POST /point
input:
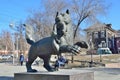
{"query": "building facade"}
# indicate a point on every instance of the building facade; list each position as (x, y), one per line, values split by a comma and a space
(102, 35)
(117, 42)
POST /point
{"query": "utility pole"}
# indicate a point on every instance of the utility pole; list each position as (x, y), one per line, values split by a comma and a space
(91, 52)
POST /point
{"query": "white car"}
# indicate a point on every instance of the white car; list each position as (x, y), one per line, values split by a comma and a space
(0, 56)
(6, 57)
(104, 51)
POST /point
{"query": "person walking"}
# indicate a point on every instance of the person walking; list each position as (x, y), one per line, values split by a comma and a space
(21, 59)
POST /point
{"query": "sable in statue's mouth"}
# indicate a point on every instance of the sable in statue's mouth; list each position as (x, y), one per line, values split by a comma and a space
(57, 19)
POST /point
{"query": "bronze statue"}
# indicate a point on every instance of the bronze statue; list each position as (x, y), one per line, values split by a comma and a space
(61, 41)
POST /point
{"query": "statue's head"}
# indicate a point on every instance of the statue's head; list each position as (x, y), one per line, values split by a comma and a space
(63, 17)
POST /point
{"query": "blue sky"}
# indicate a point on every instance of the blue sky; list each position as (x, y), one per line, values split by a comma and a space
(113, 15)
(13, 11)
(18, 10)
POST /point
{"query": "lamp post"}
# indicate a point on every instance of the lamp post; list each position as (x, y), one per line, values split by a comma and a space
(16, 44)
(101, 56)
(13, 53)
(91, 52)
(103, 46)
(11, 25)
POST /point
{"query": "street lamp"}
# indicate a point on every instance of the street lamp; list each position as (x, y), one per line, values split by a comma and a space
(103, 45)
(11, 25)
(13, 53)
(101, 56)
(91, 51)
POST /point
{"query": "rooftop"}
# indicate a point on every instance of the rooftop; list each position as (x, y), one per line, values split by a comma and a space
(100, 26)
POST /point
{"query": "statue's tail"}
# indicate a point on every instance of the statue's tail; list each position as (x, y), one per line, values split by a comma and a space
(30, 41)
(29, 34)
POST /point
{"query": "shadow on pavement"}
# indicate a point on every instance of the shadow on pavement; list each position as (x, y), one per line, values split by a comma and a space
(6, 78)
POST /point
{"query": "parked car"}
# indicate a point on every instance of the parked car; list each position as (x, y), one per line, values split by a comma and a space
(5, 57)
(103, 51)
(0, 56)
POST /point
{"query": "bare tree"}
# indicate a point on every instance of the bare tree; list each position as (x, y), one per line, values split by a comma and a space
(43, 20)
(81, 11)
(6, 40)
(18, 36)
(87, 10)
(53, 6)
(39, 24)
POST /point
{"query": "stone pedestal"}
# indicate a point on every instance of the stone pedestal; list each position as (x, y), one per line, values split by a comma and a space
(112, 65)
(58, 75)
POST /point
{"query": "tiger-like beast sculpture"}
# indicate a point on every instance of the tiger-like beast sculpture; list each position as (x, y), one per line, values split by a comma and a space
(61, 41)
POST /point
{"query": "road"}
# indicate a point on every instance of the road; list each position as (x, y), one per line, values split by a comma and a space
(7, 72)
(104, 73)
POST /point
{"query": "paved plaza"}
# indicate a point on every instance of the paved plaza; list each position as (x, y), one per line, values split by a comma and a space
(7, 72)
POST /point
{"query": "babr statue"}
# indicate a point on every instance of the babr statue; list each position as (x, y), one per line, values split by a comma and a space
(61, 41)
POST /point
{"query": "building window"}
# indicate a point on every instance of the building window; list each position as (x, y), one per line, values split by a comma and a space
(118, 43)
(102, 34)
(109, 44)
(103, 44)
(95, 34)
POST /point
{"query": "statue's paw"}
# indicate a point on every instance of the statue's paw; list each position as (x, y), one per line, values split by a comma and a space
(74, 52)
(56, 69)
(32, 70)
(52, 70)
(49, 68)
